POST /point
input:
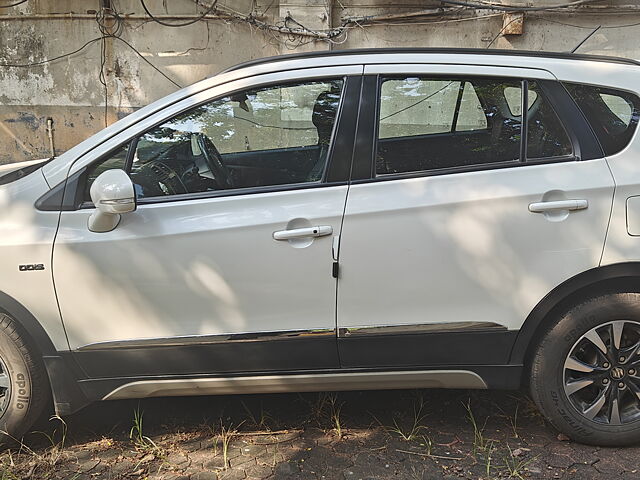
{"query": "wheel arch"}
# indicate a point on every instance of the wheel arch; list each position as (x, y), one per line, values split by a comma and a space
(619, 277)
(32, 328)
(61, 370)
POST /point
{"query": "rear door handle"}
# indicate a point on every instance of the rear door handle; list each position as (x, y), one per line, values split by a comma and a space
(541, 207)
(317, 231)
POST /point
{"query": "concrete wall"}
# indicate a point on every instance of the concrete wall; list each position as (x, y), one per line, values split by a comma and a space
(69, 89)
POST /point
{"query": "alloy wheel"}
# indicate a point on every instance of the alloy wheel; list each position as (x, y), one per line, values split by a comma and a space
(602, 373)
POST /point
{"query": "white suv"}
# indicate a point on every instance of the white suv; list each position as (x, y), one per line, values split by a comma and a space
(344, 220)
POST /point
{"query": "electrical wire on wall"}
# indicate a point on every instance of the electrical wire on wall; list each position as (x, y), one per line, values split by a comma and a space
(514, 8)
(184, 24)
(293, 33)
(297, 34)
(111, 26)
(113, 30)
(449, 10)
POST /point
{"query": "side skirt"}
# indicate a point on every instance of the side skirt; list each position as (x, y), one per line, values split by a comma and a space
(72, 390)
(299, 383)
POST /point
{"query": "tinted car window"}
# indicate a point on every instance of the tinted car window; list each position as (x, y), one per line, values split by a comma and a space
(546, 136)
(436, 123)
(513, 96)
(268, 136)
(612, 114)
(415, 106)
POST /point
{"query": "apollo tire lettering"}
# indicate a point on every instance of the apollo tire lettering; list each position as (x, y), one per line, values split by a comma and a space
(22, 391)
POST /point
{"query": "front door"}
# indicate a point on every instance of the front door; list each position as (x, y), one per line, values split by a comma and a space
(462, 227)
(226, 264)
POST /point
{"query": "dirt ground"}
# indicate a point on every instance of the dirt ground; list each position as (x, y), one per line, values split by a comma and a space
(409, 434)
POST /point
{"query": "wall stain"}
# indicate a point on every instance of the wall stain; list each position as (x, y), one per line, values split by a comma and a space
(28, 119)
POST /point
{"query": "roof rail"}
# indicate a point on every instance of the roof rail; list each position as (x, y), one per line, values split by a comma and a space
(475, 51)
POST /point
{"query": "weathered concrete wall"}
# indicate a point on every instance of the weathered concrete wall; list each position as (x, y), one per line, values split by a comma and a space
(69, 90)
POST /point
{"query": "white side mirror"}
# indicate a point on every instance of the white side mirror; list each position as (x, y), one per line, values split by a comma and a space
(113, 194)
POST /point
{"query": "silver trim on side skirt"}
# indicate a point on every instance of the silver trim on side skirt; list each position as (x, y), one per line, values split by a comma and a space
(299, 383)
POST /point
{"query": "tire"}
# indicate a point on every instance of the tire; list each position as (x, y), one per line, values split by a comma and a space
(24, 387)
(589, 389)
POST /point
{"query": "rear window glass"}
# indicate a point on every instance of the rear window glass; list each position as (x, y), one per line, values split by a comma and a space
(435, 123)
(612, 114)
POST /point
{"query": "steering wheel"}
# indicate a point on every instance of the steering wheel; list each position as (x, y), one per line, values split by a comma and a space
(163, 177)
(221, 174)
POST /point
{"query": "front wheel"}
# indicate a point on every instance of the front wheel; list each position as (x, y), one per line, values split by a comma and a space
(585, 374)
(24, 390)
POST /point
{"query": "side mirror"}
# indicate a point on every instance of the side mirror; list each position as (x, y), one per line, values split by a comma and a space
(113, 194)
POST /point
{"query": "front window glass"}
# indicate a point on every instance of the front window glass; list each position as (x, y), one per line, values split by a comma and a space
(268, 136)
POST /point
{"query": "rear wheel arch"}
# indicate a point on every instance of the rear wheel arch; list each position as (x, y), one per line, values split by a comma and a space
(616, 278)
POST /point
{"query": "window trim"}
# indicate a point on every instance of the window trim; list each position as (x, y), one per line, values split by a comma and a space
(520, 162)
(467, 169)
(184, 197)
(524, 120)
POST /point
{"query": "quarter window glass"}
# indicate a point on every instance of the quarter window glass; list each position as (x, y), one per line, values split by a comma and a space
(268, 136)
(619, 107)
(612, 114)
(115, 160)
(436, 123)
(546, 137)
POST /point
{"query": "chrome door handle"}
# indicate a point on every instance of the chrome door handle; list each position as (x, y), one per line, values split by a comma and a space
(318, 231)
(541, 207)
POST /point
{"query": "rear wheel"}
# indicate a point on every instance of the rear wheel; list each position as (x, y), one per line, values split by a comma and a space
(585, 374)
(24, 390)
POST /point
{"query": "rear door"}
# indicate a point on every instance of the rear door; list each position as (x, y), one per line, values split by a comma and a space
(463, 213)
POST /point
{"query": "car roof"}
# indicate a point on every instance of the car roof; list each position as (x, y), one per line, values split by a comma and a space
(420, 50)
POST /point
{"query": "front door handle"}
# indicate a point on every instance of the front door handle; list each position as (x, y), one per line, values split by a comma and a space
(571, 205)
(307, 232)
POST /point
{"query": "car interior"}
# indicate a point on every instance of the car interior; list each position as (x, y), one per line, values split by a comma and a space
(191, 163)
(498, 142)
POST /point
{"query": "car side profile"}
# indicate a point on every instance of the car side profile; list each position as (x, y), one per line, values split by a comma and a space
(358, 219)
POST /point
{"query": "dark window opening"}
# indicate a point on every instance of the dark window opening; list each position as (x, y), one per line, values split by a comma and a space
(612, 114)
(268, 136)
(428, 124)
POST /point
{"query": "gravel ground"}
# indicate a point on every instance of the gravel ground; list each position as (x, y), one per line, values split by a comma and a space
(408, 434)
